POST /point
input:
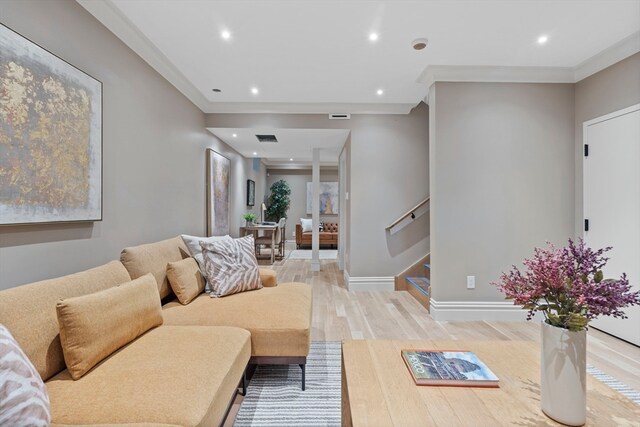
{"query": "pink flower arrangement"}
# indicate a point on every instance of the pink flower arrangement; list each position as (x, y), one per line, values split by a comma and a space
(567, 285)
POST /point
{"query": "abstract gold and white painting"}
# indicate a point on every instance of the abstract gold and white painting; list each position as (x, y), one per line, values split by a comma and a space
(50, 137)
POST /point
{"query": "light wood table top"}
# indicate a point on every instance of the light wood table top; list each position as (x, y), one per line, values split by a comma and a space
(377, 389)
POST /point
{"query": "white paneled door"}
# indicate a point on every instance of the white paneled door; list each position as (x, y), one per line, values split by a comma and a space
(612, 204)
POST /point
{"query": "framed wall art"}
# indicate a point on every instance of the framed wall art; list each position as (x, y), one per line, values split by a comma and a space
(251, 192)
(50, 137)
(328, 198)
(218, 170)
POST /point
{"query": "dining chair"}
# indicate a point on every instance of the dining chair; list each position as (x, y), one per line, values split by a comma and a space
(278, 241)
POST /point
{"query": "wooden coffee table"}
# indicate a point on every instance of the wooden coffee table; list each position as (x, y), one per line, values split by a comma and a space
(377, 389)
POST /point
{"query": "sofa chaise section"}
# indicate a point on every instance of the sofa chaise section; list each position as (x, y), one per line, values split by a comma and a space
(278, 317)
(171, 375)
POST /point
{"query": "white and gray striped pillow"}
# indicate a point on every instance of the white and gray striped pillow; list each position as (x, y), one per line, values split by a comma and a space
(230, 266)
(23, 396)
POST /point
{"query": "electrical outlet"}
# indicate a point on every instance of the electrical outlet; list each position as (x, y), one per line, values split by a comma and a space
(471, 282)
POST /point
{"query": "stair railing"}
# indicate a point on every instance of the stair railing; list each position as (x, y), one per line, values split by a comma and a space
(408, 217)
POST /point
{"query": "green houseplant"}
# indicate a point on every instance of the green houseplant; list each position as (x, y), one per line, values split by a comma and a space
(249, 217)
(279, 201)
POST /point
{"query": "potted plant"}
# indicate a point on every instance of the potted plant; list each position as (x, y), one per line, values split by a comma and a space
(279, 201)
(567, 285)
(249, 218)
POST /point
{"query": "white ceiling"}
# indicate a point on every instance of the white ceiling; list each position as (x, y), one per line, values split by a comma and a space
(296, 144)
(315, 56)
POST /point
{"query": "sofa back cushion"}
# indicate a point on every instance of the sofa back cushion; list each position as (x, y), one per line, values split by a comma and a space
(94, 326)
(153, 258)
(29, 312)
(330, 227)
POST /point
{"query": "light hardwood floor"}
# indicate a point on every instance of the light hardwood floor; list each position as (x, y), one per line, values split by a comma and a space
(342, 315)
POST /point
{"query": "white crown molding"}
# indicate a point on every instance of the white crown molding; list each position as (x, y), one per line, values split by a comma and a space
(616, 53)
(369, 283)
(111, 17)
(498, 74)
(482, 73)
(308, 107)
(476, 310)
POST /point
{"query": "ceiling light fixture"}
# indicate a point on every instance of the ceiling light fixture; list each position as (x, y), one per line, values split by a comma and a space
(291, 160)
(379, 91)
(255, 154)
(254, 90)
(235, 135)
(373, 37)
(225, 35)
(543, 39)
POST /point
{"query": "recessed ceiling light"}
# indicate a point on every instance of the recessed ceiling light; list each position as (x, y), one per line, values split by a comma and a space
(254, 90)
(379, 91)
(373, 37)
(225, 35)
(291, 160)
(217, 90)
(255, 154)
(235, 135)
(543, 39)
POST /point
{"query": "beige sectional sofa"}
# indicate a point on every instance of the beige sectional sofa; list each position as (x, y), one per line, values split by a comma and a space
(185, 372)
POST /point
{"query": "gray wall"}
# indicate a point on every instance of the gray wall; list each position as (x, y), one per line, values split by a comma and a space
(502, 180)
(297, 180)
(609, 90)
(388, 168)
(154, 152)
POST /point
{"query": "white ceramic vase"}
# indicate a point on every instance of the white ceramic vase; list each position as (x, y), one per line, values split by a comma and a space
(563, 375)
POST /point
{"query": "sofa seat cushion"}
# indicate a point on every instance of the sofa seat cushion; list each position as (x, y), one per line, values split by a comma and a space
(171, 375)
(278, 318)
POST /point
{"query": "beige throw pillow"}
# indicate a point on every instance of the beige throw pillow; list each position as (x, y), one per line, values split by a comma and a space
(24, 401)
(185, 279)
(231, 266)
(94, 326)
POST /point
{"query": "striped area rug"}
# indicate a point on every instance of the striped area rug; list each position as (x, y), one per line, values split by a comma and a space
(623, 389)
(274, 396)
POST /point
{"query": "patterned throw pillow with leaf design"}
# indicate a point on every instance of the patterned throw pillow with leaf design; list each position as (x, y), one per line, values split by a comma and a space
(230, 266)
(23, 396)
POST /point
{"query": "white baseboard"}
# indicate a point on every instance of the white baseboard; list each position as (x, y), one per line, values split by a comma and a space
(476, 310)
(369, 283)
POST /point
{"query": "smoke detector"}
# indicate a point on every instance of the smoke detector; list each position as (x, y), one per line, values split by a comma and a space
(419, 44)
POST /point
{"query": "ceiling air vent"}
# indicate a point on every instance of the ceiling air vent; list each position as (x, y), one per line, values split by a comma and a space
(267, 138)
(339, 116)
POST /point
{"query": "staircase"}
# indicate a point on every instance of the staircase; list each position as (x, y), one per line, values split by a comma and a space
(417, 281)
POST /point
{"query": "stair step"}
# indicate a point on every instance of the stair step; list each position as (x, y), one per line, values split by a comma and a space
(423, 284)
(427, 266)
